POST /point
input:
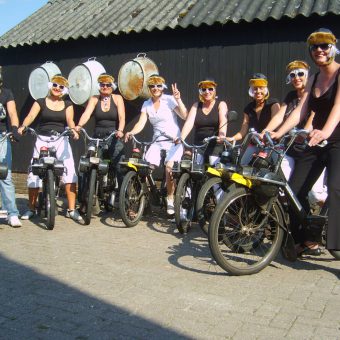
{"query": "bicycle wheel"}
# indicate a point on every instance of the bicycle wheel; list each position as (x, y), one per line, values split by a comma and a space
(210, 193)
(184, 203)
(243, 239)
(90, 197)
(324, 212)
(132, 199)
(50, 202)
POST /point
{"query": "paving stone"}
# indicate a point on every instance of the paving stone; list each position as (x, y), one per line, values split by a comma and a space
(150, 282)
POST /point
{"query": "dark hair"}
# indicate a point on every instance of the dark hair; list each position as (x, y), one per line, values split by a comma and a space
(324, 30)
(211, 79)
(259, 76)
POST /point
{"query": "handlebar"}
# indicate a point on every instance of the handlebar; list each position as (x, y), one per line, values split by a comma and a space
(5, 135)
(52, 138)
(193, 146)
(98, 139)
(294, 133)
(206, 141)
(168, 138)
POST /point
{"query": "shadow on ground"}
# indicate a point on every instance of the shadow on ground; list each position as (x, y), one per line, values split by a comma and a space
(37, 306)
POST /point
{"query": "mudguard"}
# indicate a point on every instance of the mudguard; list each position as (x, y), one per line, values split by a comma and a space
(237, 178)
(132, 166)
(214, 172)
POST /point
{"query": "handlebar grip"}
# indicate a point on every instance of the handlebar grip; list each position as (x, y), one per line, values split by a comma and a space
(256, 140)
(323, 143)
(269, 138)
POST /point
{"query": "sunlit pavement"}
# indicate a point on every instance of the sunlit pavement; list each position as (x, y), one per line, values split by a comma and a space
(106, 281)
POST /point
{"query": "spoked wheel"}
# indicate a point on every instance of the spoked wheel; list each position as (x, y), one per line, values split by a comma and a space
(243, 239)
(90, 192)
(184, 203)
(324, 212)
(132, 199)
(209, 195)
(50, 202)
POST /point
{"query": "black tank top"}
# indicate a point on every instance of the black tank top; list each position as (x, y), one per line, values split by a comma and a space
(265, 116)
(206, 125)
(105, 121)
(51, 120)
(322, 106)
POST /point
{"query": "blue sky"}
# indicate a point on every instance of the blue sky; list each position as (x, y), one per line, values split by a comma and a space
(14, 11)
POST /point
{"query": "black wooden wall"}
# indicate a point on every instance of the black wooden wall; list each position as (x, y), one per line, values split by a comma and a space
(230, 54)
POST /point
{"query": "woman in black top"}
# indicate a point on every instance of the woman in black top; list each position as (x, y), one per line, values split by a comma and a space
(108, 109)
(109, 113)
(208, 116)
(54, 113)
(297, 75)
(322, 95)
(257, 113)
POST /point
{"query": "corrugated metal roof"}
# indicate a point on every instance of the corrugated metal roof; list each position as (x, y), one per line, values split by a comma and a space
(72, 19)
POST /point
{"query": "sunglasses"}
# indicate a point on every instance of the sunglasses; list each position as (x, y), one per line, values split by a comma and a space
(323, 47)
(105, 84)
(299, 74)
(158, 86)
(55, 85)
(205, 89)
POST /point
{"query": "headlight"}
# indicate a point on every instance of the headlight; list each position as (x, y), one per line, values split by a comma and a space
(48, 160)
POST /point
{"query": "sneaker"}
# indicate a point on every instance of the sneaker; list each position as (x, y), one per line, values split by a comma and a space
(27, 215)
(170, 209)
(14, 222)
(74, 214)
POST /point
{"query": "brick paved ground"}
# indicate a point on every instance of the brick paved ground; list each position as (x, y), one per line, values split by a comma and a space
(106, 281)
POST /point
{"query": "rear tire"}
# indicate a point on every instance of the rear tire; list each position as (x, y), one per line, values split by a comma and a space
(132, 199)
(242, 238)
(50, 202)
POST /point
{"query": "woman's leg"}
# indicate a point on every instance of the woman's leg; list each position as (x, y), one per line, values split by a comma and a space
(116, 151)
(34, 183)
(170, 183)
(248, 154)
(32, 198)
(70, 189)
(174, 155)
(333, 184)
(307, 170)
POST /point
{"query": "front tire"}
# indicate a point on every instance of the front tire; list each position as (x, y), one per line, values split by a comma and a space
(184, 203)
(242, 238)
(132, 199)
(50, 202)
(207, 199)
(90, 196)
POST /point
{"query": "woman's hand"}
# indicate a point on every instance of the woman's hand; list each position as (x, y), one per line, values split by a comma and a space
(316, 137)
(177, 140)
(21, 130)
(78, 128)
(175, 91)
(119, 134)
(127, 136)
(75, 134)
(221, 138)
(275, 135)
